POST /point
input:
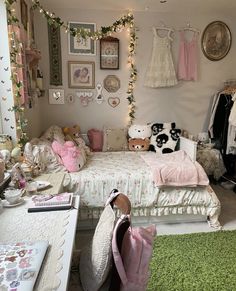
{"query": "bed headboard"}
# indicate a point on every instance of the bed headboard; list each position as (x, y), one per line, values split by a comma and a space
(189, 146)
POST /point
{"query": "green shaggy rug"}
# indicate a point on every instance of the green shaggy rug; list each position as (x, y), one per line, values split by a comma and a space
(194, 262)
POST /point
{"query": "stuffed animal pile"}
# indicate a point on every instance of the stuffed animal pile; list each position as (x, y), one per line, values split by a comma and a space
(73, 134)
(139, 137)
(70, 155)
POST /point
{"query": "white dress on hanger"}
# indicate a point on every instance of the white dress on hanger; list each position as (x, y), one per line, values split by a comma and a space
(161, 71)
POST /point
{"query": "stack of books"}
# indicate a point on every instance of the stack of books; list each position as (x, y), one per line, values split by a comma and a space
(49, 202)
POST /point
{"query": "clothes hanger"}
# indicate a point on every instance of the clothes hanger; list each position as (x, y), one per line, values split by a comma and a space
(189, 28)
(164, 27)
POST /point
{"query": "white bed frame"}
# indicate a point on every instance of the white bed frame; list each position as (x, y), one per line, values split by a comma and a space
(189, 146)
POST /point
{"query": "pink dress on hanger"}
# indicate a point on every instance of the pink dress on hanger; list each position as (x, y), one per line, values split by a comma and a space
(187, 65)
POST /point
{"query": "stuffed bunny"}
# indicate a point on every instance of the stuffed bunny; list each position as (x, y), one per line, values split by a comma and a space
(70, 155)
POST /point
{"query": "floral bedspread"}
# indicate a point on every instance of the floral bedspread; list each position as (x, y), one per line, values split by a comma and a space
(127, 172)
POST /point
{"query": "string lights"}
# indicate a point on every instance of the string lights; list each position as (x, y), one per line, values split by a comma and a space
(16, 48)
(126, 21)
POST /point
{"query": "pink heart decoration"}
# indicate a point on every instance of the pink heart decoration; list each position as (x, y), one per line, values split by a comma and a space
(113, 101)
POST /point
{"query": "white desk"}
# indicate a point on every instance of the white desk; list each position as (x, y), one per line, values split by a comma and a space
(58, 227)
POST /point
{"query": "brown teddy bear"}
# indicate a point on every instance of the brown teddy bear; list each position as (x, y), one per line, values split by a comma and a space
(73, 134)
(139, 144)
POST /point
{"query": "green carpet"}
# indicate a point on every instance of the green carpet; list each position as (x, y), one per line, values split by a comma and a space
(194, 262)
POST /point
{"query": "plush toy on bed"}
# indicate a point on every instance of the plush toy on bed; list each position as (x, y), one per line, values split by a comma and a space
(70, 155)
(139, 137)
(139, 144)
(73, 134)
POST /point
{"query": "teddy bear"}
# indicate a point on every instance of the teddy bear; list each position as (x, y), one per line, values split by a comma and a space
(139, 131)
(69, 154)
(73, 134)
(139, 137)
(139, 144)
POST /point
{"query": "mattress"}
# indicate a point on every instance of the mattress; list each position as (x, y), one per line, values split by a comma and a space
(127, 172)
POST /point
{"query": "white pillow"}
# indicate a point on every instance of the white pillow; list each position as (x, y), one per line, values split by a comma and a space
(96, 258)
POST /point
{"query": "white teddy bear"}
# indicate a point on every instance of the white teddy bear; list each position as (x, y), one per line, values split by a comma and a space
(140, 131)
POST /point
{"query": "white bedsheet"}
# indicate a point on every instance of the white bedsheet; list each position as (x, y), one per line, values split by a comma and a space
(127, 172)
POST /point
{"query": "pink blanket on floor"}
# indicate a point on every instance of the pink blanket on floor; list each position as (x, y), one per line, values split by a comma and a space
(175, 169)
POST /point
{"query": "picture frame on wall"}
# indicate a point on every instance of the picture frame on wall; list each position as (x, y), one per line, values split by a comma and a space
(79, 45)
(216, 40)
(81, 74)
(109, 53)
(24, 13)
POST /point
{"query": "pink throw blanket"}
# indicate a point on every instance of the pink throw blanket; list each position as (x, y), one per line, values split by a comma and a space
(175, 169)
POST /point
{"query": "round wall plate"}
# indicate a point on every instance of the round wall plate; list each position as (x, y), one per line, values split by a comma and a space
(111, 83)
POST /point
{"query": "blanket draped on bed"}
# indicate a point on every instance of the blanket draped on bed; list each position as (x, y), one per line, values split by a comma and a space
(175, 169)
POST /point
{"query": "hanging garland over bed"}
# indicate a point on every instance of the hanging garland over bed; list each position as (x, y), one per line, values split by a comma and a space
(16, 47)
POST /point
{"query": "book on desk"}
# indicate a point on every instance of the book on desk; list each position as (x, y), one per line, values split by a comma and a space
(20, 264)
(50, 202)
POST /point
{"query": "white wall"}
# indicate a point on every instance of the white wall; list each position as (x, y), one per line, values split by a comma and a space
(8, 122)
(187, 103)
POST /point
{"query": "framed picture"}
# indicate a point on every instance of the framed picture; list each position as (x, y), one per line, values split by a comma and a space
(79, 45)
(81, 74)
(24, 13)
(109, 53)
(216, 40)
(56, 96)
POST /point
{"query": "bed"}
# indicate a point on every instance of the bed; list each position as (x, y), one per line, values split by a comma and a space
(128, 172)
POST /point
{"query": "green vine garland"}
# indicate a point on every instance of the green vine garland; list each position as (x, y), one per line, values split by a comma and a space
(16, 47)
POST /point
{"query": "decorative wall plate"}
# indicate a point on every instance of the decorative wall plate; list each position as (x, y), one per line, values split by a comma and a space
(113, 101)
(111, 83)
(216, 40)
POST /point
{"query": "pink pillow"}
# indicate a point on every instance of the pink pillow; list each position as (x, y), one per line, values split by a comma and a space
(95, 137)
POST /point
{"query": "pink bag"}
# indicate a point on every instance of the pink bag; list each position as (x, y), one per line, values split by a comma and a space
(95, 137)
(132, 263)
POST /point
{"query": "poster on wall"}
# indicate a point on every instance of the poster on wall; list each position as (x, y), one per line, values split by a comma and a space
(80, 45)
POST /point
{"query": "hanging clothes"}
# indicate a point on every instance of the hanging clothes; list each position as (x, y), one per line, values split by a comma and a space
(187, 64)
(231, 139)
(161, 71)
(221, 121)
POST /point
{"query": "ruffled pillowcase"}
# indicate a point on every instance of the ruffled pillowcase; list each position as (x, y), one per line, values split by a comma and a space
(115, 139)
(164, 138)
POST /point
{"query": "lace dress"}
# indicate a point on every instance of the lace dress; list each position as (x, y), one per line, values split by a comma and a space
(161, 72)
